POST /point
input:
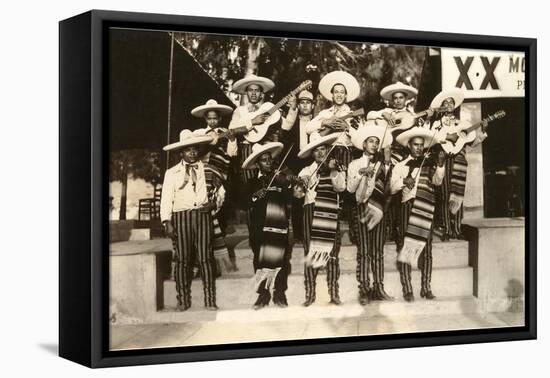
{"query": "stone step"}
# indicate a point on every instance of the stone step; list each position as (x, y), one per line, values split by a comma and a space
(234, 292)
(452, 254)
(396, 308)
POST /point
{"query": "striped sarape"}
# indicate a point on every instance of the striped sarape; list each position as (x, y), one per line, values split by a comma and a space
(421, 219)
(221, 253)
(324, 226)
(458, 181)
(371, 205)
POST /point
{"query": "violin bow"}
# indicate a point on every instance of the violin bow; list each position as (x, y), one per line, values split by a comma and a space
(280, 165)
(325, 159)
(424, 158)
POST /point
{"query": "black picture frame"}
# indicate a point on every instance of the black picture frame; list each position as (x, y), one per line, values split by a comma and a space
(83, 197)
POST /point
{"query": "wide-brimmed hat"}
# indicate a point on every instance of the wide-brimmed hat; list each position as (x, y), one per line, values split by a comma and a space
(387, 92)
(417, 131)
(188, 138)
(258, 150)
(240, 85)
(316, 140)
(305, 95)
(201, 110)
(372, 130)
(456, 95)
(339, 77)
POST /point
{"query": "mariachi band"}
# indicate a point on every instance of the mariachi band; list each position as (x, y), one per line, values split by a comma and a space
(392, 172)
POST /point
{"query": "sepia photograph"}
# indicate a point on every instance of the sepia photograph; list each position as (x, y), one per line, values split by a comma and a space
(266, 189)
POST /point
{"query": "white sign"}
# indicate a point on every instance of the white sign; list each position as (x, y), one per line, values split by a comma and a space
(483, 73)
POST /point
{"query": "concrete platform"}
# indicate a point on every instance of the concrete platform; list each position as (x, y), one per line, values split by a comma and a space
(363, 324)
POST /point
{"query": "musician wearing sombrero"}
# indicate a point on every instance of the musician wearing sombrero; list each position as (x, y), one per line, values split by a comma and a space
(367, 178)
(322, 183)
(299, 114)
(450, 195)
(340, 88)
(415, 179)
(254, 88)
(269, 197)
(212, 113)
(397, 96)
(187, 203)
(218, 158)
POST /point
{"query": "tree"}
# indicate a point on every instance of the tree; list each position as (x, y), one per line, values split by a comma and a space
(228, 58)
(142, 164)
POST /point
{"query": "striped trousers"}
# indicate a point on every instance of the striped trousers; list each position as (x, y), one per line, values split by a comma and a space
(333, 266)
(193, 241)
(451, 223)
(346, 155)
(425, 259)
(370, 255)
(245, 149)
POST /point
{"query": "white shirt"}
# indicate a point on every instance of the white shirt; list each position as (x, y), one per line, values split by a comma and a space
(338, 182)
(289, 121)
(315, 124)
(178, 197)
(401, 171)
(357, 182)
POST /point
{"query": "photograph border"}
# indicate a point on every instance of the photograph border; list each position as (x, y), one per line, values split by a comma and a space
(84, 191)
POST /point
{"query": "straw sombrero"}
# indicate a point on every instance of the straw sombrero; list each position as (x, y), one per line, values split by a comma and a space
(339, 77)
(241, 85)
(387, 92)
(456, 94)
(258, 150)
(364, 132)
(316, 140)
(201, 110)
(413, 132)
(188, 138)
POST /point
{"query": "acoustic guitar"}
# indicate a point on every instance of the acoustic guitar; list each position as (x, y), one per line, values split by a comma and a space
(258, 132)
(455, 137)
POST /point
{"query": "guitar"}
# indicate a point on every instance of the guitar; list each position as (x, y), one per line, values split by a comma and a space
(259, 131)
(404, 120)
(455, 137)
(355, 113)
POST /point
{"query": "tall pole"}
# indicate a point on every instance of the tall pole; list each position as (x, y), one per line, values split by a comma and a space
(170, 99)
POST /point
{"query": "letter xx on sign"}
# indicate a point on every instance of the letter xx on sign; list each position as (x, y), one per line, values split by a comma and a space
(489, 72)
(463, 72)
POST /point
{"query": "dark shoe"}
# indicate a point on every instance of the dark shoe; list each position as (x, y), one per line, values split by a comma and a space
(409, 297)
(308, 302)
(279, 299)
(212, 308)
(461, 236)
(427, 294)
(181, 307)
(445, 237)
(364, 299)
(379, 294)
(261, 302)
(335, 301)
